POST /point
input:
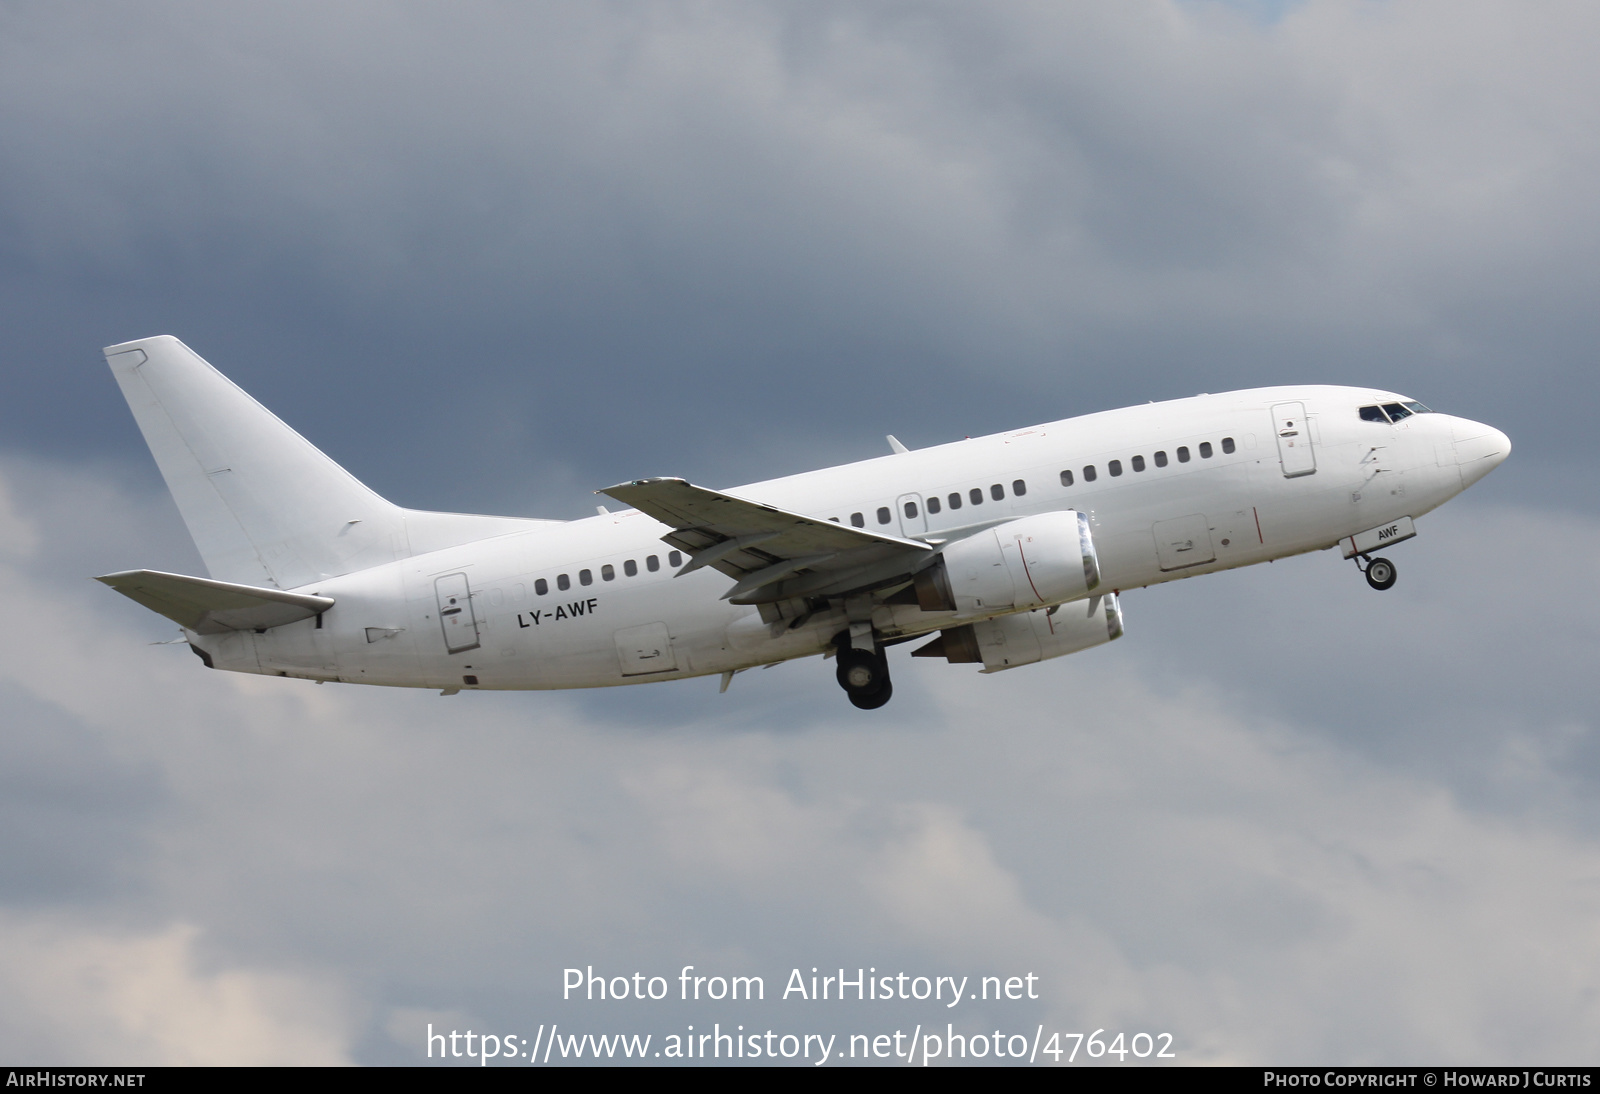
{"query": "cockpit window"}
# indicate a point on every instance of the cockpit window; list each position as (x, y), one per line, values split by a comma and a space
(1393, 411)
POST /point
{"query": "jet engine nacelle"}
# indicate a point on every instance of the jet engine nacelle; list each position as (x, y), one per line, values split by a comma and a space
(1027, 637)
(1028, 563)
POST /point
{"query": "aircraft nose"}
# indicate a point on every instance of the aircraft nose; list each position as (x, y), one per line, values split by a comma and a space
(1479, 449)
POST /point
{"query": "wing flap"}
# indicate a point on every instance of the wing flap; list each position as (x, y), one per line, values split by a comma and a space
(212, 607)
(770, 552)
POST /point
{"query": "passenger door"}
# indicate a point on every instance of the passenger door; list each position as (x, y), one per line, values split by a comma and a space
(456, 617)
(1294, 440)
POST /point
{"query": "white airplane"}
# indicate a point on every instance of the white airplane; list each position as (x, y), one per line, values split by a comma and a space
(1007, 549)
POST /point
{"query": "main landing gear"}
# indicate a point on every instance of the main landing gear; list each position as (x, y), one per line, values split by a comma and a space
(864, 674)
(1380, 571)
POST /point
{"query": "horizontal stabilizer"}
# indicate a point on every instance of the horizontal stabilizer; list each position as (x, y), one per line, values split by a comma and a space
(212, 607)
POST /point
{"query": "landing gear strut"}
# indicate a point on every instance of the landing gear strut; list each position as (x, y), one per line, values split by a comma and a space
(864, 675)
(1380, 571)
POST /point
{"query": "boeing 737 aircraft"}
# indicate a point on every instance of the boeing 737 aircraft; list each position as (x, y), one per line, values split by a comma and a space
(1000, 551)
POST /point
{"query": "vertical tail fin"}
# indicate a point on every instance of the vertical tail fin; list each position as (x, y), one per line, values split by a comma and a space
(264, 506)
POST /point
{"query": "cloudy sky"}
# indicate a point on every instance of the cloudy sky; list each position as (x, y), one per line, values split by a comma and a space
(493, 256)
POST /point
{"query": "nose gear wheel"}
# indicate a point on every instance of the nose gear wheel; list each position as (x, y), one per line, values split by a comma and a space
(1380, 574)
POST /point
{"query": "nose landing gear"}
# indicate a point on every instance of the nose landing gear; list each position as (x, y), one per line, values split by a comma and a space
(1380, 572)
(864, 675)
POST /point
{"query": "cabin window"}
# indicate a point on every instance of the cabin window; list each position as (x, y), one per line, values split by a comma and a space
(834, 519)
(608, 572)
(997, 492)
(1138, 463)
(542, 587)
(1066, 478)
(1183, 453)
(1018, 487)
(1161, 459)
(1374, 414)
(975, 496)
(911, 509)
(933, 504)
(1227, 445)
(585, 577)
(857, 520)
(1205, 450)
(954, 500)
(1115, 467)
(674, 559)
(631, 568)
(1088, 473)
(884, 516)
(652, 563)
(563, 582)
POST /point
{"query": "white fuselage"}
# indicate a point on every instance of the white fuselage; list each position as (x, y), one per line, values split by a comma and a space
(1250, 500)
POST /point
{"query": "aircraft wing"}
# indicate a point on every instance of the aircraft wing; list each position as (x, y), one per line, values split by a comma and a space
(212, 607)
(772, 554)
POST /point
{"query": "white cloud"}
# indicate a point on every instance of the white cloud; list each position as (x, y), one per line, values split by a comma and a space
(1165, 858)
(76, 994)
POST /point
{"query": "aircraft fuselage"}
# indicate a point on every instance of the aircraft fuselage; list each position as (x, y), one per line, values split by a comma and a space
(1171, 490)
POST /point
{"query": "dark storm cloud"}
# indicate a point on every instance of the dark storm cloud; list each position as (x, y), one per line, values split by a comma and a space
(752, 238)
